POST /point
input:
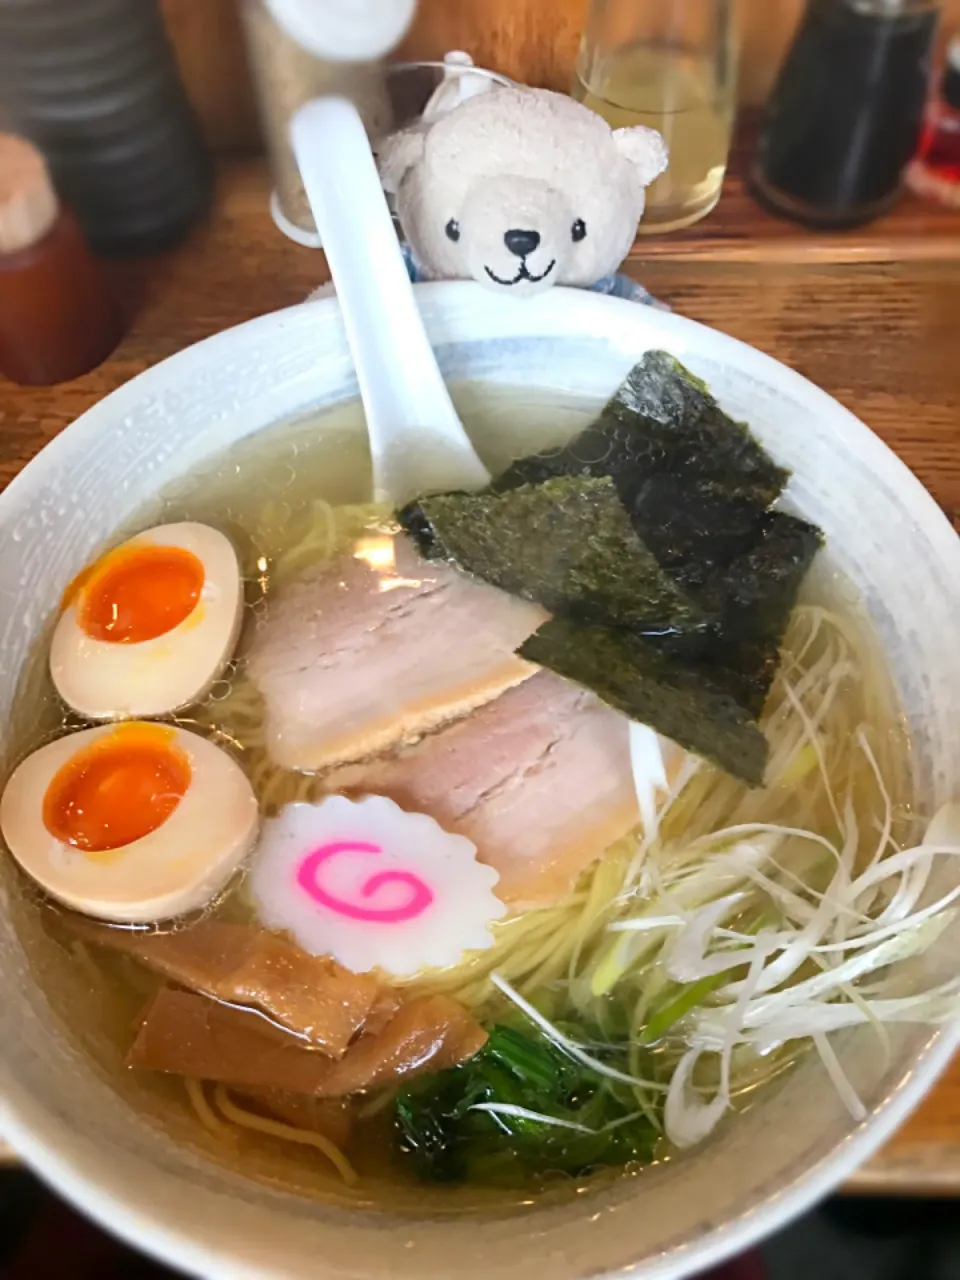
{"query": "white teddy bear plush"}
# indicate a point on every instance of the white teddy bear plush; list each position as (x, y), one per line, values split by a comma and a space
(520, 189)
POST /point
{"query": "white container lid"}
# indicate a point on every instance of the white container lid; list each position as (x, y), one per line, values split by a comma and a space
(28, 204)
(345, 30)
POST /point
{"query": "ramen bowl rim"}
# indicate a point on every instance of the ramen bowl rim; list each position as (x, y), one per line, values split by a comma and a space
(179, 1247)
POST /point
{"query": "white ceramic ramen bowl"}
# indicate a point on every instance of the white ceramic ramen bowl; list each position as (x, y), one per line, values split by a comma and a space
(762, 1168)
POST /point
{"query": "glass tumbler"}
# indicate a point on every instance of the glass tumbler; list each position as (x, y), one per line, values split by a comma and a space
(670, 65)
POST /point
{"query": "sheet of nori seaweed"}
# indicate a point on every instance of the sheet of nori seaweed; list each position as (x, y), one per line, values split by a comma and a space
(695, 482)
(566, 543)
(698, 487)
(680, 700)
(756, 597)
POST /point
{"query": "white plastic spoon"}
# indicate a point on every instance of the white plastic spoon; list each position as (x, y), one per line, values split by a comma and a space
(417, 441)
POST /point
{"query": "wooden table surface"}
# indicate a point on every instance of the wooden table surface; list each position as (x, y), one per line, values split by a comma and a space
(738, 230)
(881, 336)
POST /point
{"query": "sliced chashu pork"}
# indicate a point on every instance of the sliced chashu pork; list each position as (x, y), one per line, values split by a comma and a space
(189, 1035)
(539, 780)
(312, 996)
(378, 649)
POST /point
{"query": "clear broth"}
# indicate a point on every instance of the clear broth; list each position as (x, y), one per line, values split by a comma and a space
(257, 492)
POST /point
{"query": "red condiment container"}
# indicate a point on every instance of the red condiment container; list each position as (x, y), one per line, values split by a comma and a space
(57, 318)
(935, 172)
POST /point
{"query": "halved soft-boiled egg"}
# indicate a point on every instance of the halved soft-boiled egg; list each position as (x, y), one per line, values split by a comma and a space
(148, 627)
(130, 822)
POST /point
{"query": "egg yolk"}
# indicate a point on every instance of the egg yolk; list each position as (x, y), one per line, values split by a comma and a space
(116, 790)
(137, 593)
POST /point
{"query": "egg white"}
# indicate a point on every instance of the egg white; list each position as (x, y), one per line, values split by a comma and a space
(178, 867)
(108, 681)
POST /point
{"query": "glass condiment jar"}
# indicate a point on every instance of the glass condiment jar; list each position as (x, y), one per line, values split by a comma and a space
(846, 112)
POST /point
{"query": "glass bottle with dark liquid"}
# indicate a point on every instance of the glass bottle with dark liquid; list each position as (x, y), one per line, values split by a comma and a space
(847, 110)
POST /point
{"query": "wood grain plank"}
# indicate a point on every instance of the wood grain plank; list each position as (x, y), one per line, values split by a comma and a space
(879, 336)
(739, 230)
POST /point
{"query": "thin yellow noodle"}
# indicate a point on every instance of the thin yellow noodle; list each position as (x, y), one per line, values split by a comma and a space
(285, 1132)
(205, 1113)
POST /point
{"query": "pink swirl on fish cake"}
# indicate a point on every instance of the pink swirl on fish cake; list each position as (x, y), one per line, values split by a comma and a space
(308, 879)
(371, 885)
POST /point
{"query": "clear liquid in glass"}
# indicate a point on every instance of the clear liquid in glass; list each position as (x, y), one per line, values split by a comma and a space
(679, 94)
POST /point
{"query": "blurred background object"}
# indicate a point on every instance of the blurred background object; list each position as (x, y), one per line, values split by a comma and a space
(57, 319)
(532, 41)
(846, 111)
(935, 172)
(95, 85)
(289, 69)
(670, 65)
(240, 113)
(360, 31)
(300, 49)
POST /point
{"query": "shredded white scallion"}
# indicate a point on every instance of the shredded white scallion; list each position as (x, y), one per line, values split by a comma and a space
(778, 1009)
(848, 1095)
(749, 921)
(523, 1113)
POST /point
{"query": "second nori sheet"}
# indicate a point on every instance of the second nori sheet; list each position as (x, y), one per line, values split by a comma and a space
(695, 483)
(756, 596)
(679, 700)
(566, 543)
(698, 488)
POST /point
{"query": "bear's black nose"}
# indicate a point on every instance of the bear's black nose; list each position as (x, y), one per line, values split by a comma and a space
(521, 242)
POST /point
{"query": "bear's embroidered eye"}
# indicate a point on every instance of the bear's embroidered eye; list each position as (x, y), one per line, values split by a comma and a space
(453, 230)
(579, 230)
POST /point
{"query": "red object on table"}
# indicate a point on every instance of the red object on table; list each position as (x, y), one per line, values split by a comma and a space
(935, 172)
(57, 318)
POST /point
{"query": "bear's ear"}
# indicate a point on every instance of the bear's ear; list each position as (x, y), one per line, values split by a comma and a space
(397, 155)
(644, 148)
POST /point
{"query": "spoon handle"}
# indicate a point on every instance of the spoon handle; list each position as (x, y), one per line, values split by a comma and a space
(417, 441)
